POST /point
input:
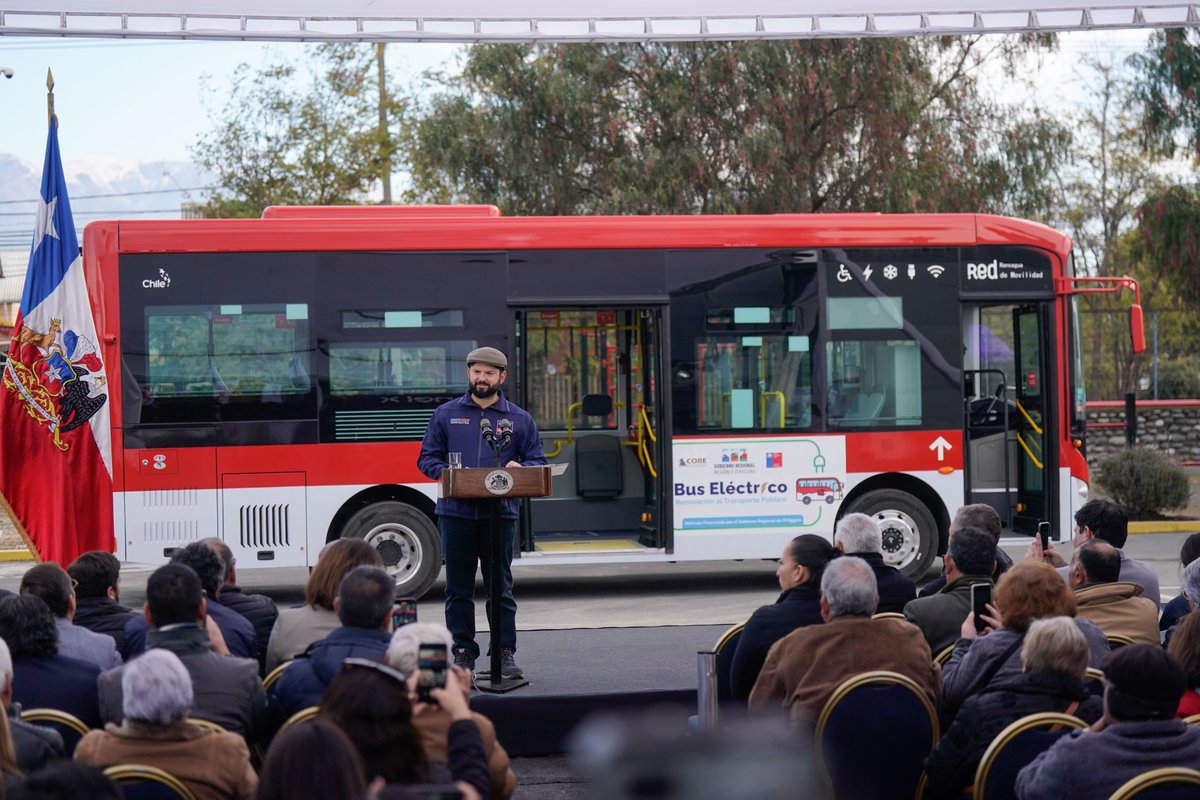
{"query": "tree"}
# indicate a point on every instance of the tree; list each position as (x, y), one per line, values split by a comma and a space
(731, 127)
(278, 141)
(1168, 81)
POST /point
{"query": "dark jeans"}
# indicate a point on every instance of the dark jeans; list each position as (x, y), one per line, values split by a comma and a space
(464, 543)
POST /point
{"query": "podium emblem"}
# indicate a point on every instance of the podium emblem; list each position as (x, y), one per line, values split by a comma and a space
(498, 482)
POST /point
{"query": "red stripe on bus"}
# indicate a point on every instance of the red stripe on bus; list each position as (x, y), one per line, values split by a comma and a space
(903, 451)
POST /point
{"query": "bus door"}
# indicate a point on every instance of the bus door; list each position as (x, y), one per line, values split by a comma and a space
(1011, 455)
(591, 379)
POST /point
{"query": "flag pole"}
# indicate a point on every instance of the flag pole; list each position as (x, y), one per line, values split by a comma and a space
(50, 118)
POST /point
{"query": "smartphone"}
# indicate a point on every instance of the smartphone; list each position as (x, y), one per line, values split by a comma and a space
(981, 595)
(1044, 534)
(431, 666)
(404, 611)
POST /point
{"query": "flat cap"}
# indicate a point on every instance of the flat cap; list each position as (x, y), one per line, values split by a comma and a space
(487, 355)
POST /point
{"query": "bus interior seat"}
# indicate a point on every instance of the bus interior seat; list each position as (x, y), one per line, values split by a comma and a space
(598, 473)
(867, 405)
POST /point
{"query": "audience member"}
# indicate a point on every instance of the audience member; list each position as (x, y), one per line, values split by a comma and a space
(1138, 732)
(298, 627)
(97, 577)
(10, 768)
(1185, 646)
(976, 515)
(799, 573)
(1054, 658)
(42, 677)
(258, 609)
(51, 582)
(312, 760)
(804, 667)
(1030, 590)
(364, 606)
(969, 561)
(157, 697)
(1102, 519)
(858, 535)
(433, 722)
(225, 689)
(1115, 605)
(370, 702)
(1178, 606)
(236, 630)
(1189, 588)
(66, 780)
(34, 746)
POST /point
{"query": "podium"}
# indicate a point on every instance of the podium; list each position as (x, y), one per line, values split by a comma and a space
(494, 485)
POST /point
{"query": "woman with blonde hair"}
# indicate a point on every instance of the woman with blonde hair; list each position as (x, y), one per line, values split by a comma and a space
(299, 626)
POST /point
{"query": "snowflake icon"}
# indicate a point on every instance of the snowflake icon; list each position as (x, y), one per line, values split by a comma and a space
(889, 272)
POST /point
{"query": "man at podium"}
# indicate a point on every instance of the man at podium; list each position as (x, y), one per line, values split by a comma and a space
(467, 428)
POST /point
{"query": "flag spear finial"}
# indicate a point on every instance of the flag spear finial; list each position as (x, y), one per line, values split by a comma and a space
(50, 118)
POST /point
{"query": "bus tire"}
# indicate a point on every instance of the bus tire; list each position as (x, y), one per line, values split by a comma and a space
(406, 540)
(910, 532)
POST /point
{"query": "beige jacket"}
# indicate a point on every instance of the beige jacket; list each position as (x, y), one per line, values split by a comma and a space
(1119, 610)
(215, 766)
(433, 724)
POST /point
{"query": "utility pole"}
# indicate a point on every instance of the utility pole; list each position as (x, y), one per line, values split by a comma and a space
(385, 139)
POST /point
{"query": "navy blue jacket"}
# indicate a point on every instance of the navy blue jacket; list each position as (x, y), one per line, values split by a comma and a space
(303, 683)
(237, 630)
(61, 682)
(795, 608)
(895, 588)
(455, 427)
(104, 615)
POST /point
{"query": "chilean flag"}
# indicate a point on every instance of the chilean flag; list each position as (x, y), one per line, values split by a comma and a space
(55, 440)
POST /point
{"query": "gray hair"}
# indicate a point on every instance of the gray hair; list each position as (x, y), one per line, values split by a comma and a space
(6, 667)
(1191, 582)
(156, 687)
(402, 652)
(858, 533)
(1055, 644)
(850, 588)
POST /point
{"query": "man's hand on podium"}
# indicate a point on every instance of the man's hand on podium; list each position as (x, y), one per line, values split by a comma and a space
(512, 464)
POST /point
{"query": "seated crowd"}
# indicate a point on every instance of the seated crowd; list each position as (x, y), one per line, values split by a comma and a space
(179, 685)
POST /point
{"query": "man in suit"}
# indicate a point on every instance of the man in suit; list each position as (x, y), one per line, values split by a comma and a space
(859, 535)
(51, 582)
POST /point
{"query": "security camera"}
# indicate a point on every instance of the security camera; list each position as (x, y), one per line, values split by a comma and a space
(6, 72)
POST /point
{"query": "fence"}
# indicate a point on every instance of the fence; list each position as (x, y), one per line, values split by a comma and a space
(1171, 427)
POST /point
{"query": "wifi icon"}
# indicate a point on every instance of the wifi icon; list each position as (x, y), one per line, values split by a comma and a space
(935, 270)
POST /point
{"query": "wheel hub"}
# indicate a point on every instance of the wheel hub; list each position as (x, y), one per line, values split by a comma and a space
(398, 547)
(901, 541)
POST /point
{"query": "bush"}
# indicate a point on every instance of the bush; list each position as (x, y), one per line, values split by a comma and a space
(1144, 482)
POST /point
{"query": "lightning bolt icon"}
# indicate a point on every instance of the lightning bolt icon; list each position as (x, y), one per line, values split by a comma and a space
(867, 273)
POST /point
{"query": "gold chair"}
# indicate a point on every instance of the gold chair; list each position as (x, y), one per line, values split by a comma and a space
(1194, 719)
(301, 716)
(69, 726)
(944, 655)
(208, 724)
(725, 647)
(882, 718)
(1162, 778)
(139, 774)
(274, 675)
(1093, 681)
(1116, 640)
(1016, 746)
(889, 615)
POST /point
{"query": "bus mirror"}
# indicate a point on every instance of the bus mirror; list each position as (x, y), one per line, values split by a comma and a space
(1137, 328)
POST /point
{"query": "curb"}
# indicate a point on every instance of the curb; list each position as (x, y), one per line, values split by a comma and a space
(16, 555)
(1162, 526)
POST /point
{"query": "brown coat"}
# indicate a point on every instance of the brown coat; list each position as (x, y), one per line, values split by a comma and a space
(433, 724)
(214, 766)
(806, 666)
(1119, 610)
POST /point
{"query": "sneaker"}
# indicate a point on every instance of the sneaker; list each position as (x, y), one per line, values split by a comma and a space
(463, 658)
(508, 664)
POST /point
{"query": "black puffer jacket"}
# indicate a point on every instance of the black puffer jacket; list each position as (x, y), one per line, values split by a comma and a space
(104, 615)
(795, 608)
(258, 609)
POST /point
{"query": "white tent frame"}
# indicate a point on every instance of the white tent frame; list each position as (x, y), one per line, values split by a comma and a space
(572, 20)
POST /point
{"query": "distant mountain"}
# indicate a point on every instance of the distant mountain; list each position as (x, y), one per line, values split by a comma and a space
(100, 188)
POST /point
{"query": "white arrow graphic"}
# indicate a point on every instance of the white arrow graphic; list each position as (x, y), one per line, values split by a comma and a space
(941, 445)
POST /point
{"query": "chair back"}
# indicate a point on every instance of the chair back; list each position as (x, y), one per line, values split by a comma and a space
(1014, 748)
(1166, 783)
(1093, 681)
(303, 715)
(1116, 640)
(944, 655)
(882, 719)
(725, 647)
(1194, 719)
(889, 615)
(69, 726)
(143, 782)
(274, 675)
(207, 725)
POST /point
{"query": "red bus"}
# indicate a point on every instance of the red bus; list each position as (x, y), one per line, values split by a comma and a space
(277, 376)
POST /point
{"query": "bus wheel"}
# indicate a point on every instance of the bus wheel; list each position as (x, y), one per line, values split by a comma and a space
(405, 539)
(910, 533)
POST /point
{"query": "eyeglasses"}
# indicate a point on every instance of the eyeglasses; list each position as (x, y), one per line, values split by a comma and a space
(378, 666)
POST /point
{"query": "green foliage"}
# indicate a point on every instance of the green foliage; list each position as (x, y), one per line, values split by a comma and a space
(731, 127)
(285, 138)
(1169, 227)
(1144, 482)
(1179, 378)
(1169, 77)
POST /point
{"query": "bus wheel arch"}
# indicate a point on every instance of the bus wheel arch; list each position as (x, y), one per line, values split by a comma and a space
(398, 522)
(921, 518)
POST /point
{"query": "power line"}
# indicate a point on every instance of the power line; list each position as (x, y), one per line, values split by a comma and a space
(119, 194)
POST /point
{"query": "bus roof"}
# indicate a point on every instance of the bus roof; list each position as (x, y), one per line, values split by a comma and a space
(476, 228)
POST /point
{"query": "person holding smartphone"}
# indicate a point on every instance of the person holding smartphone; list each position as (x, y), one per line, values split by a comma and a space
(969, 561)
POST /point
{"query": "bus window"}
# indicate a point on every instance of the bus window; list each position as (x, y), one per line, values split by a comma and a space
(754, 382)
(574, 353)
(873, 383)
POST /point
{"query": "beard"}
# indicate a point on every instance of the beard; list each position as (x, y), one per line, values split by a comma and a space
(484, 391)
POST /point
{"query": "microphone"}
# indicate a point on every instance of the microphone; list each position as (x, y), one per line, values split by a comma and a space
(485, 428)
(505, 430)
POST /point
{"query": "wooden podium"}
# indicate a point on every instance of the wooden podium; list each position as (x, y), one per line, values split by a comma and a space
(496, 484)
